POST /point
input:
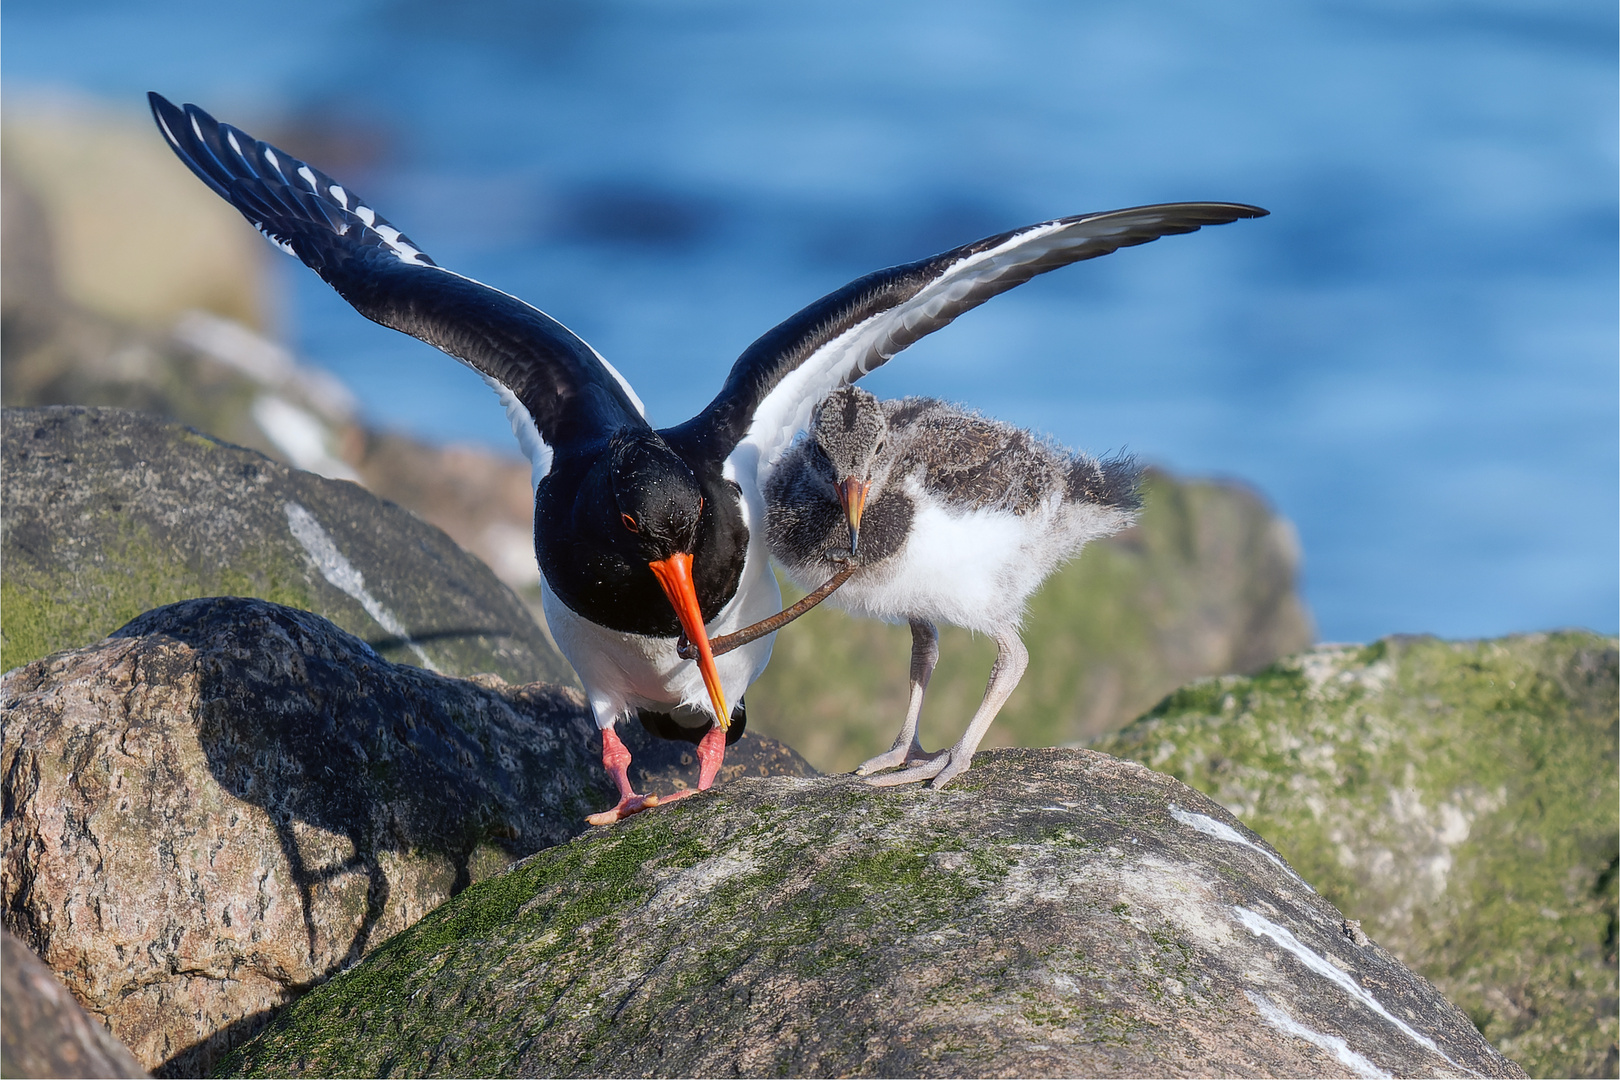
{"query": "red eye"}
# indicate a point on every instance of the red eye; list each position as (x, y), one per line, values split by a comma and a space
(630, 523)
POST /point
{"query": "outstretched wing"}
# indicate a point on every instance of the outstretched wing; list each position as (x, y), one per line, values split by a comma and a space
(775, 385)
(553, 383)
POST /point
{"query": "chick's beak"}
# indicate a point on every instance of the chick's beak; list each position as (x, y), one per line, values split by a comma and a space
(852, 497)
(674, 574)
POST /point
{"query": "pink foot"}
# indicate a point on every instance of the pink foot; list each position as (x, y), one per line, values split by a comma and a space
(616, 760)
(633, 804)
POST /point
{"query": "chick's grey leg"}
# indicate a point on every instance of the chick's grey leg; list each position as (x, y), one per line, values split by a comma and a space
(1011, 660)
(924, 655)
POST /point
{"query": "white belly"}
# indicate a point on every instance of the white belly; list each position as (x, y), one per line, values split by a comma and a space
(624, 671)
(976, 568)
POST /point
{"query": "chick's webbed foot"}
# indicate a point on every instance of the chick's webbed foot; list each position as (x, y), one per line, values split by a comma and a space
(927, 768)
(947, 765)
(909, 756)
(907, 750)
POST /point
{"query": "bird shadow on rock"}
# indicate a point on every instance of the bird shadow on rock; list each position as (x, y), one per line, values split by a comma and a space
(389, 789)
(454, 633)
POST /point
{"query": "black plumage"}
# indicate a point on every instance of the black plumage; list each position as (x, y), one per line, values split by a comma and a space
(641, 533)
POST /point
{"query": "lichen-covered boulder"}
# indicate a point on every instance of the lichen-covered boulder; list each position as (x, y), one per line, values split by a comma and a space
(108, 513)
(229, 800)
(44, 1032)
(1459, 798)
(1052, 913)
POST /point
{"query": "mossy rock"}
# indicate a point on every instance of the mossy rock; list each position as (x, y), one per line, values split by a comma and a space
(1459, 798)
(110, 513)
(1052, 913)
(228, 801)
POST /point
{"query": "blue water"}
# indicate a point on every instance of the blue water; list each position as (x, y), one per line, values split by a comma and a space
(1414, 358)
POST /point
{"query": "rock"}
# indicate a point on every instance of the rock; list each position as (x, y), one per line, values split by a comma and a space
(1054, 913)
(166, 343)
(134, 237)
(1458, 798)
(108, 513)
(44, 1032)
(484, 501)
(87, 198)
(230, 800)
(1206, 584)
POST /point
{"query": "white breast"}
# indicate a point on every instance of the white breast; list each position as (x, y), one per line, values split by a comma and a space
(974, 568)
(624, 671)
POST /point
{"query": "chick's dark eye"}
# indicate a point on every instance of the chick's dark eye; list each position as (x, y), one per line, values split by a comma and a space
(630, 523)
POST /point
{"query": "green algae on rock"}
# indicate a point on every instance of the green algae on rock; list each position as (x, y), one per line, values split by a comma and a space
(1459, 798)
(109, 513)
(228, 801)
(1057, 912)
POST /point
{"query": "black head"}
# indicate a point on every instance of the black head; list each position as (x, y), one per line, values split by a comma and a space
(850, 428)
(655, 494)
(658, 503)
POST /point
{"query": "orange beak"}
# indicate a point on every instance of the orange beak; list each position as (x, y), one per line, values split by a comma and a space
(852, 497)
(675, 575)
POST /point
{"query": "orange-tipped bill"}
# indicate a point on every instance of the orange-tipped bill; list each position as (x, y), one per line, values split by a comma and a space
(675, 575)
(852, 497)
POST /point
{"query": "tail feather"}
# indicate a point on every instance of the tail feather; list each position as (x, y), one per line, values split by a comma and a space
(1112, 481)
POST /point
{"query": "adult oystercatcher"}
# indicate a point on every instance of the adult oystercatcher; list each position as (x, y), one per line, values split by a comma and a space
(641, 533)
(948, 517)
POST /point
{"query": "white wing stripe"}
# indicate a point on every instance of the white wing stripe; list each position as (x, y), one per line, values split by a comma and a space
(855, 352)
(534, 447)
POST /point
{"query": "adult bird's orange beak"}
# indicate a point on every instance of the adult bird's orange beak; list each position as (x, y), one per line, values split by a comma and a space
(674, 574)
(852, 497)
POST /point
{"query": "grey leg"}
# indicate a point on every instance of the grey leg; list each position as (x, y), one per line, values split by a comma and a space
(1011, 660)
(924, 655)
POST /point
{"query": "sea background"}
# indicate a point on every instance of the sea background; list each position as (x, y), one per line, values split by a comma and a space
(1413, 358)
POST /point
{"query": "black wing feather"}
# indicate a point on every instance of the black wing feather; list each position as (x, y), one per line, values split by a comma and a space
(881, 298)
(567, 390)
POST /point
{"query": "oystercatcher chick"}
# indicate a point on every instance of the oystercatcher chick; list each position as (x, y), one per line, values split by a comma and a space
(641, 533)
(950, 517)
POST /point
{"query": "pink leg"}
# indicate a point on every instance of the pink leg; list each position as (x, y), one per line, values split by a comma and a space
(616, 760)
(711, 752)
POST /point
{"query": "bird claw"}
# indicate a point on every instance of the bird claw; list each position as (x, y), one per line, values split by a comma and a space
(894, 758)
(918, 768)
(630, 804)
(635, 804)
